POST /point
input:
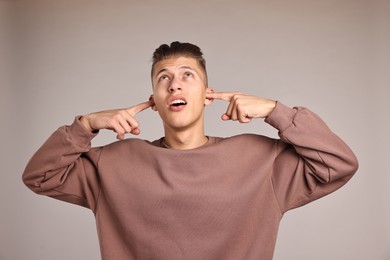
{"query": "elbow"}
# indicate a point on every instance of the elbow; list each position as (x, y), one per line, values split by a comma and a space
(348, 168)
(31, 181)
(352, 164)
(355, 164)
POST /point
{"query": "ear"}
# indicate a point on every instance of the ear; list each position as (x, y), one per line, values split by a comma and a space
(209, 101)
(153, 106)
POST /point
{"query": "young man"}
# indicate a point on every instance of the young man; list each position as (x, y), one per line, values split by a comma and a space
(189, 195)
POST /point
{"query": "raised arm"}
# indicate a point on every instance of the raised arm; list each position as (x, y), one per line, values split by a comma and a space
(65, 166)
(311, 160)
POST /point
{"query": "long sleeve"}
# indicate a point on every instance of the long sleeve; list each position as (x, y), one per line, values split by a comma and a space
(311, 161)
(65, 167)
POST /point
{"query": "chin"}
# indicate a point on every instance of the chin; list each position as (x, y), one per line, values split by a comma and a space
(178, 126)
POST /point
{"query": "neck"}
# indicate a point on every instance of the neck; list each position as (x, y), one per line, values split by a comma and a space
(184, 140)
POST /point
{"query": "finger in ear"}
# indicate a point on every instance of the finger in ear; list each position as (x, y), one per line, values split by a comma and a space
(152, 104)
(208, 101)
(209, 90)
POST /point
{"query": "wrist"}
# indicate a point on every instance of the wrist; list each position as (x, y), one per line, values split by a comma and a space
(85, 123)
(271, 107)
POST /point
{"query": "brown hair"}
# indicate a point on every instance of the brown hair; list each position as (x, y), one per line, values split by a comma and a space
(176, 49)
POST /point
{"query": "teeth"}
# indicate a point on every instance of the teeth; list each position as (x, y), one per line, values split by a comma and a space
(178, 101)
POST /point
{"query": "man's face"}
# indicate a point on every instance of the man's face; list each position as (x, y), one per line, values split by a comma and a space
(179, 92)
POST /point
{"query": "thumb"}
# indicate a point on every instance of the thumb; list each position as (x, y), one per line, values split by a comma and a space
(225, 117)
(135, 131)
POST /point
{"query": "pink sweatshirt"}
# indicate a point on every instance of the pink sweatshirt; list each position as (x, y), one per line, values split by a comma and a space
(223, 200)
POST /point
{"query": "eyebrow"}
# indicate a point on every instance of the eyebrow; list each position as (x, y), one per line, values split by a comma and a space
(186, 67)
(180, 68)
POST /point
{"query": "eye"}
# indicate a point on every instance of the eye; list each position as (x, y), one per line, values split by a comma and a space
(163, 77)
(188, 74)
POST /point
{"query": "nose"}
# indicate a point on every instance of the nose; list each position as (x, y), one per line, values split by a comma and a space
(174, 86)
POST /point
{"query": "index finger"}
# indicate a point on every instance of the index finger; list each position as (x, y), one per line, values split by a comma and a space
(140, 107)
(227, 96)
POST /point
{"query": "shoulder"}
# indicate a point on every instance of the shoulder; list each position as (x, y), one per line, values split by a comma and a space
(127, 145)
(254, 148)
(247, 137)
(245, 140)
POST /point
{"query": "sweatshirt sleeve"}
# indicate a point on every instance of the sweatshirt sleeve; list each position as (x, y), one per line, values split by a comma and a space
(311, 160)
(65, 167)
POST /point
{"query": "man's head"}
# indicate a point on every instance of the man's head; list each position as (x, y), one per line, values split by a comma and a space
(179, 49)
(179, 86)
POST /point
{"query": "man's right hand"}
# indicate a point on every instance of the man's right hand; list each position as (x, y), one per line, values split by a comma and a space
(121, 121)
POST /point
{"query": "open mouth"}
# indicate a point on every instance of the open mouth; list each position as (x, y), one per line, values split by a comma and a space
(178, 102)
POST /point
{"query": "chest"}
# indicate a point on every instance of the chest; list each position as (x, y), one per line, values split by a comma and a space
(190, 182)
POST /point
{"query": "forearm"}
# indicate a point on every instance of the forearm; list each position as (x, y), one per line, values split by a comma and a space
(313, 140)
(56, 169)
(319, 163)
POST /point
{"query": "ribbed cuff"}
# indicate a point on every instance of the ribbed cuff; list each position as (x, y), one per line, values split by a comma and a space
(77, 132)
(281, 117)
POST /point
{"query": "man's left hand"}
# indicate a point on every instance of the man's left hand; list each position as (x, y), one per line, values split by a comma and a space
(243, 107)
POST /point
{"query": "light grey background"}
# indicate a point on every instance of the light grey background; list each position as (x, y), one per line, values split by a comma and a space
(60, 59)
